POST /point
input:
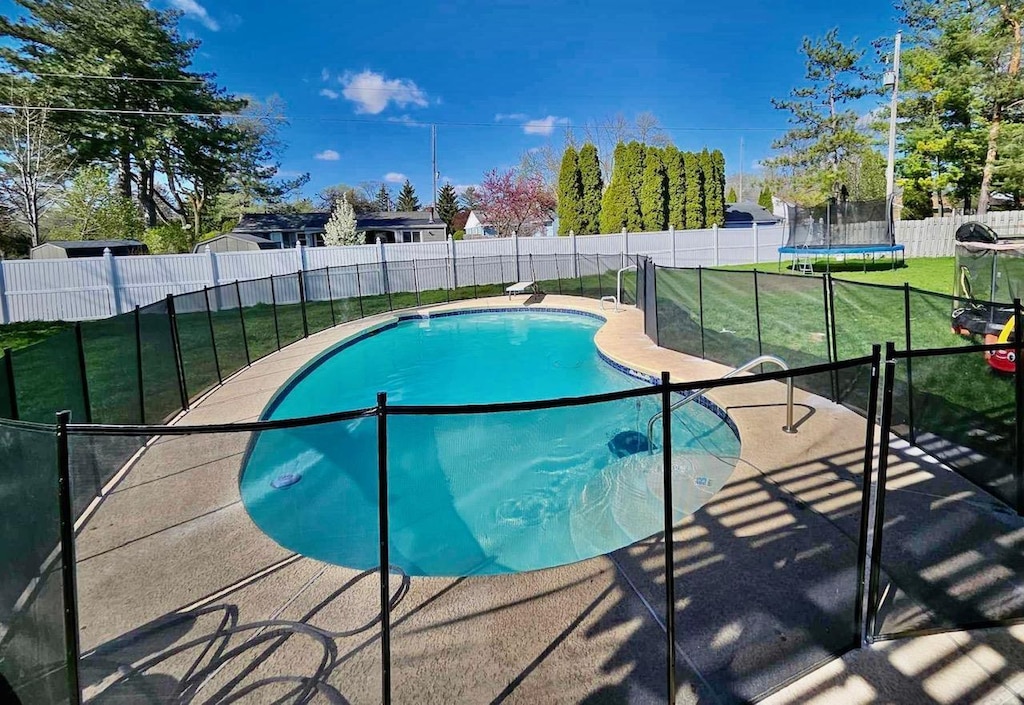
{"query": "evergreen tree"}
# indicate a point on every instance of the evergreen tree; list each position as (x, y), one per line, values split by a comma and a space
(447, 205)
(592, 184)
(654, 192)
(407, 200)
(731, 197)
(635, 155)
(570, 193)
(694, 190)
(676, 187)
(615, 203)
(714, 188)
(765, 198)
(383, 200)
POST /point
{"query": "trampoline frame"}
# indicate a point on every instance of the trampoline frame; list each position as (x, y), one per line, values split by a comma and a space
(804, 258)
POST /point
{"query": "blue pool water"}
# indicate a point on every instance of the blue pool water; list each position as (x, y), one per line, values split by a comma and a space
(473, 494)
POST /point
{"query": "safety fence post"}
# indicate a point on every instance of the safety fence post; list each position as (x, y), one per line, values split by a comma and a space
(757, 315)
(359, 291)
(330, 295)
(415, 282)
(670, 571)
(67, 558)
(874, 576)
(700, 306)
(831, 313)
(213, 336)
(910, 371)
(385, 559)
(241, 320)
(867, 498)
(139, 380)
(829, 337)
(473, 258)
(80, 350)
(9, 374)
(273, 304)
(1018, 376)
(302, 302)
(179, 362)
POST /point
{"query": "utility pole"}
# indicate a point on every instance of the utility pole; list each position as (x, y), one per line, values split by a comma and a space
(741, 170)
(892, 78)
(433, 170)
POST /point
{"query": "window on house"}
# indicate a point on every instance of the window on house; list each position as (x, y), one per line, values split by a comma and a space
(410, 236)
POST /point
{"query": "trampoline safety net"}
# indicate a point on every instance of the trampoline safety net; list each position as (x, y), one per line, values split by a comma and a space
(840, 223)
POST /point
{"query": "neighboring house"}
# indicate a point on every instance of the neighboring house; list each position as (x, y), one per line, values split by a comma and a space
(290, 229)
(477, 226)
(237, 242)
(745, 214)
(68, 249)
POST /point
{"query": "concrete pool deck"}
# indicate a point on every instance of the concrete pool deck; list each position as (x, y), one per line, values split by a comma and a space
(180, 592)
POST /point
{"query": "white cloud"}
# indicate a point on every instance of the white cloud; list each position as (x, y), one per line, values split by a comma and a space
(372, 92)
(461, 188)
(193, 10)
(328, 93)
(408, 121)
(328, 155)
(394, 177)
(544, 126)
(510, 116)
(325, 75)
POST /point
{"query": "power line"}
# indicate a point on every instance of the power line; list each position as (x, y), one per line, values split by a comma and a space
(363, 121)
(140, 79)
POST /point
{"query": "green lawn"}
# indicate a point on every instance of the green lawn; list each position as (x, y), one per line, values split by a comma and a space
(928, 273)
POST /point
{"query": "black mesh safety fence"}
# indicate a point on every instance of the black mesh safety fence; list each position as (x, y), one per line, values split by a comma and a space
(289, 304)
(161, 388)
(373, 287)
(260, 311)
(48, 378)
(231, 539)
(866, 315)
(227, 318)
(434, 280)
(678, 316)
(320, 310)
(729, 316)
(198, 353)
(8, 408)
(33, 649)
(650, 302)
(641, 282)
(947, 554)
(112, 370)
(594, 281)
(345, 293)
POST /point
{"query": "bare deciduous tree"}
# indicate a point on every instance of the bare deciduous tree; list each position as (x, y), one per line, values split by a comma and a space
(34, 163)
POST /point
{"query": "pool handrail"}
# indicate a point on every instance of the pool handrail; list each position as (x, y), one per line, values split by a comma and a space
(745, 367)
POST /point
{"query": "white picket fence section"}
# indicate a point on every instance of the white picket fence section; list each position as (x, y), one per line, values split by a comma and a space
(89, 288)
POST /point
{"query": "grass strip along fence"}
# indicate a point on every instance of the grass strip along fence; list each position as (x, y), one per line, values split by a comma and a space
(954, 406)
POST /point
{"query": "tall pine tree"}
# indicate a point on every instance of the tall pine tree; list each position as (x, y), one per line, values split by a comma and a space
(407, 200)
(764, 199)
(731, 197)
(654, 192)
(714, 188)
(570, 193)
(447, 205)
(635, 157)
(382, 202)
(592, 184)
(676, 186)
(615, 204)
(694, 190)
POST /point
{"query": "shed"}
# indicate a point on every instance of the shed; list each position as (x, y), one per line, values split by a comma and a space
(237, 242)
(67, 249)
(745, 214)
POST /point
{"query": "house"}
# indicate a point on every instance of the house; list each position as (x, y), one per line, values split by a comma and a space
(290, 229)
(745, 214)
(477, 226)
(69, 249)
(237, 242)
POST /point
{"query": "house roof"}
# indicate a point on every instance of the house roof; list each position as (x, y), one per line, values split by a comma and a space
(263, 242)
(397, 219)
(92, 244)
(280, 222)
(747, 212)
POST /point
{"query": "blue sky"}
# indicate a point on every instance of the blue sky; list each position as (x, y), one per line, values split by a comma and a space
(360, 79)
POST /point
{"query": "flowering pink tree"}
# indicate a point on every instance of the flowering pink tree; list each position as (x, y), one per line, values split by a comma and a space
(514, 201)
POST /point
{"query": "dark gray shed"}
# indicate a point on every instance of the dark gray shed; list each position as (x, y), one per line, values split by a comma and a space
(237, 242)
(65, 249)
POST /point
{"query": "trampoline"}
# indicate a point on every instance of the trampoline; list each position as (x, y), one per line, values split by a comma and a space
(840, 229)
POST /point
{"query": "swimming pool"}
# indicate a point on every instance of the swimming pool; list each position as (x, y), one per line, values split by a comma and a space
(480, 493)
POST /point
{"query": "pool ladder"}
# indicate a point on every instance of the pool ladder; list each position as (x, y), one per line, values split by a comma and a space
(618, 289)
(745, 367)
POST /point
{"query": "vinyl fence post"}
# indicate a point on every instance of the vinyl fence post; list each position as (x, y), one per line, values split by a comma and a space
(874, 576)
(179, 363)
(87, 402)
(860, 625)
(670, 571)
(111, 268)
(910, 372)
(714, 230)
(67, 555)
(300, 253)
(5, 312)
(140, 378)
(575, 255)
(213, 335)
(273, 305)
(473, 260)
(452, 257)
(757, 245)
(9, 374)
(624, 248)
(211, 257)
(672, 243)
(241, 320)
(383, 536)
(1018, 376)
(302, 302)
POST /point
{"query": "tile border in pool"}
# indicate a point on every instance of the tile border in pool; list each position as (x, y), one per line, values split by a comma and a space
(415, 315)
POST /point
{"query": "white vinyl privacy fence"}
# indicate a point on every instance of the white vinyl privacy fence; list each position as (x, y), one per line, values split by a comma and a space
(89, 288)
